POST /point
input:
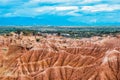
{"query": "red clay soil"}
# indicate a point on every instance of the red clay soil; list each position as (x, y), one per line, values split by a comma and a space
(58, 58)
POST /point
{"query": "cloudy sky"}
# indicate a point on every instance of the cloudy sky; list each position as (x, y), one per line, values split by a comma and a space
(60, 12)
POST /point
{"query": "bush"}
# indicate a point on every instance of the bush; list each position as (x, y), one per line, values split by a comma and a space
(37, 40)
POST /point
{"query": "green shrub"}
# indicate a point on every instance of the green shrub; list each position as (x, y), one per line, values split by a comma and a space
(37, 40)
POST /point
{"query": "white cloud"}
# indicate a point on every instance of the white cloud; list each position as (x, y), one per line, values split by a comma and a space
(49, 1)
(36, 11)
(43, 9)
(60, 7)
(90, 1)
(67, 10)
(63, 8)
(8, 15)
(64, 1)
(93, 20)
(35, 2)
(33, 8)
(101, 7)
(56, 8)
(61, 2)
(59, 10)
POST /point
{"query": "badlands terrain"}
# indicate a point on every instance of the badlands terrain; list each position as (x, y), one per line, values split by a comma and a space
(59, 58)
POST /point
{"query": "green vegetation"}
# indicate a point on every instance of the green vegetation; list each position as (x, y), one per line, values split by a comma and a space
(73, 32)
(37, 40)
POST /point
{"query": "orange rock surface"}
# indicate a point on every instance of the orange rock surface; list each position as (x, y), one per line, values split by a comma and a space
(59, 58)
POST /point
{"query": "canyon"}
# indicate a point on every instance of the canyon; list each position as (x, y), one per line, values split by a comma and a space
(59, 58)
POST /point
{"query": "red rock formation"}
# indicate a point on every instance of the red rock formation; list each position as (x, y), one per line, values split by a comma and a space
(57, 58)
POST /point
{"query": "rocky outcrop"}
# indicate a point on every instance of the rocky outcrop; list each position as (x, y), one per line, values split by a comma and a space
(56, 58)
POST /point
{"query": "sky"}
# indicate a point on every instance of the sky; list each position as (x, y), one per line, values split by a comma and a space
(60, 12)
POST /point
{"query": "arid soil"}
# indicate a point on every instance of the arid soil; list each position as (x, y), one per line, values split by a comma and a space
(59, 58)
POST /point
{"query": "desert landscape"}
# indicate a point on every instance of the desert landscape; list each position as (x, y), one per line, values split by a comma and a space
(55, 57)
(59, 39)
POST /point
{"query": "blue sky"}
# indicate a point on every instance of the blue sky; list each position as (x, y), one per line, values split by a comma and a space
(60, 12)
